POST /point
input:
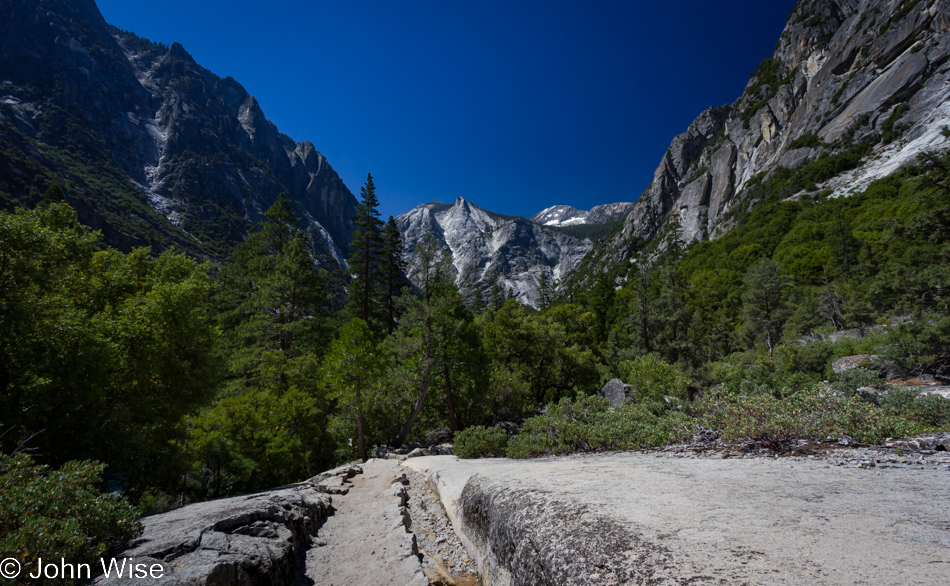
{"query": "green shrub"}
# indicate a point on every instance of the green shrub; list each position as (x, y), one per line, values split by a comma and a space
(814, 357)
(480, 442)
(651, 378)
(920, 345)
(849, 381)
(806, 140)
(589, 424)
(869, 344)
(927, 411)
(59, 514)
(813, 414)
(762, 378)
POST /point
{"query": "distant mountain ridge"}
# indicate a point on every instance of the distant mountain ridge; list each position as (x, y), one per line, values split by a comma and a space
(562, 215)
(487, 247)
(148, 145)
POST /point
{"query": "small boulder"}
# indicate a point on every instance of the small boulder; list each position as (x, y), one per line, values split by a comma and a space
(887, 368)
(441, 450)
(441, 435)
(614, 391)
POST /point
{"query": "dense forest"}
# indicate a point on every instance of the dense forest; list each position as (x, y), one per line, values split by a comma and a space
(174, 380)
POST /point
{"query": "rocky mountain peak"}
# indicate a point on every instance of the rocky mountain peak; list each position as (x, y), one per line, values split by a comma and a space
(486, 247)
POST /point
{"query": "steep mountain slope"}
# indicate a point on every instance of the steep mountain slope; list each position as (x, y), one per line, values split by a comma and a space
(148, 145)
(486, 247)
(854, 90)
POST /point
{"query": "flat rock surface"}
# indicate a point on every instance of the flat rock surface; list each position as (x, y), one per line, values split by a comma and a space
(364, 540)
(757, 521)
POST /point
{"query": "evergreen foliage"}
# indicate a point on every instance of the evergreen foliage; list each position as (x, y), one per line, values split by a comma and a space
(394, 271)
(765, 304)
(268, 424)
(101, 353)
(366, 259)
(351, 372)
(480, 442)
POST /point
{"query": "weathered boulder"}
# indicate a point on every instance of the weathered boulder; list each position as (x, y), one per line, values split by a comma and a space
(345, 472)
(614, 391)
(246, 540)
(887, 368)
(441, 435)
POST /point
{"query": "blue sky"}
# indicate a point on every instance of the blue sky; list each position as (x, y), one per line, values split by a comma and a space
(515, 106)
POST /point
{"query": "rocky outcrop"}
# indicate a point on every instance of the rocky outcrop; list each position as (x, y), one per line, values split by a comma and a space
(683, 518)
(843, 71)
(531, 539)
(368, 539)
(291, 535)
(486, 247)
(246, 540)
(931, 442)
(160, 150)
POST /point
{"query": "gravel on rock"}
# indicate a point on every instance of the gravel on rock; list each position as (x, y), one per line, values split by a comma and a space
(436, 538)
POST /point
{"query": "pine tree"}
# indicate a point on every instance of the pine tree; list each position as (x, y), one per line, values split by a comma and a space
(642, 321)
(394, 271)
(268, 425)
(546, 291)
(496, 298)
(272, 292)
(366, 258)
(423, 321)
(765, 302)
(352, 369)
(54, 194)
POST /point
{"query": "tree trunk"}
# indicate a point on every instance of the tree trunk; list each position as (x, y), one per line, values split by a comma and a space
(453, 419)
(359, 425)
(417, 407)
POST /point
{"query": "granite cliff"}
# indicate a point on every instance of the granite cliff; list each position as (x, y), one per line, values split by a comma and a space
(148, 145)
(858, 85)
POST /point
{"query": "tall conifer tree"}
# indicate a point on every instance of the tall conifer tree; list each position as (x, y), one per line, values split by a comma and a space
(366, 257)
(394, 270)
